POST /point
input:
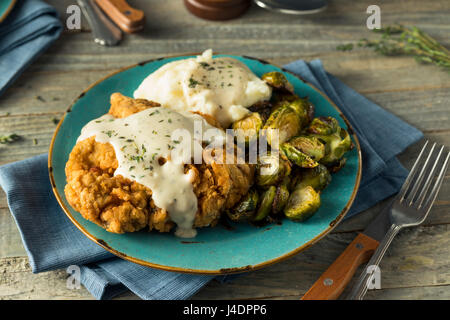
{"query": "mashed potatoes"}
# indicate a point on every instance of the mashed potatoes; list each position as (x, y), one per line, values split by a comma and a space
(221, 87)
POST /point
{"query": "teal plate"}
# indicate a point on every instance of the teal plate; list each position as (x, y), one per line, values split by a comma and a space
(5, 8)
(215, 250)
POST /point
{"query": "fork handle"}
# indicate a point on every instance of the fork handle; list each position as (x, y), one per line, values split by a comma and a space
(361, 286)
(334, 280)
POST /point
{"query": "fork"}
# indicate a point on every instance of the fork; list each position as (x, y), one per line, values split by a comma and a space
(409, 208)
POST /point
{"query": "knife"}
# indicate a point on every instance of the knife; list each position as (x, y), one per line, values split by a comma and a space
(103, 30)
(334, 280)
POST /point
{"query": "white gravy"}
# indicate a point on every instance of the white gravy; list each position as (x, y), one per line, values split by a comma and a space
(139, 141)
(222, 87)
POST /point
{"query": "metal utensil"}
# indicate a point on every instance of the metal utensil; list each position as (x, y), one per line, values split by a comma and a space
(298, 7)
(373, 241)
(104, 31)
(410, 207)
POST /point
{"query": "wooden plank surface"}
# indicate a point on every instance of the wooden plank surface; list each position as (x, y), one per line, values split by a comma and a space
(416, 266)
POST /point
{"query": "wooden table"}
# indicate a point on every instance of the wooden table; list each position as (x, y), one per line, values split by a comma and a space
(416, 265)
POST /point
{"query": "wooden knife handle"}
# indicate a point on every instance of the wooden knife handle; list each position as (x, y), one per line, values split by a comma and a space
(127, 18)
(334, 280)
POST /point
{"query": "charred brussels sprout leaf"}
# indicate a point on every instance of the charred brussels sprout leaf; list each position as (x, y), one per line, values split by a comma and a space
(272, 169)
(278, 81)
(302, 204)
(299, 158)
(310, 146)
(246, 208)
(265, 205)
(283, 122)
(281, 196)
(318, 178)
(338, 165)
(249, 126)
(264, 108)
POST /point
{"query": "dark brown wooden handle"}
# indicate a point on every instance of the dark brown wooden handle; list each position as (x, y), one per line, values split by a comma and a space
(127, 18)
(333, 281)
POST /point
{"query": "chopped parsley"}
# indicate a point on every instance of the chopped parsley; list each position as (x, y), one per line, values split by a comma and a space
(193, 83)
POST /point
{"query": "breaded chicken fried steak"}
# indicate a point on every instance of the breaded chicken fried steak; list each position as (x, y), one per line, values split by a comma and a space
(127, 173)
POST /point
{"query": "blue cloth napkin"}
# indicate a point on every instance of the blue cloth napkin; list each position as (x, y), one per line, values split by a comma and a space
(28, 31)
(53, 242)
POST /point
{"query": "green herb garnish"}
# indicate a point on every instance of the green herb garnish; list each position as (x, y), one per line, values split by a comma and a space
(400, 40)
(5, 139)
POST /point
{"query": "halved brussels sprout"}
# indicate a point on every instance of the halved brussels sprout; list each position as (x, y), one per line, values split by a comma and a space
(299, 158)
(283, 122)
(318, 178)
(310, 146)
(265, 205)
(302, 204)
(336, 145)
(278, 81)
(272, 169)
(336, 139)
(304, 109)
(249, 126)
(245, 208)
(323, 126)
(281, 196)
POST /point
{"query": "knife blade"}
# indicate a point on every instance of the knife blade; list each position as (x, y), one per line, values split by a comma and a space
(379, 226)
(103, 30)
(334, 280)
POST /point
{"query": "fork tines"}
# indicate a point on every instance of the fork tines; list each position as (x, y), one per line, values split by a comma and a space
(430, 166)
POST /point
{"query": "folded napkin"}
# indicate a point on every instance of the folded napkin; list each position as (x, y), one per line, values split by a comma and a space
(53, 242)
(28, 30)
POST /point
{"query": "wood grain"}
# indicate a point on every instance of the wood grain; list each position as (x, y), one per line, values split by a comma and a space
(416, 265)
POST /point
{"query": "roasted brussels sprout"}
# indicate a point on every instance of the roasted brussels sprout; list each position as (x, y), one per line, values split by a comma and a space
(323, 126)
(304, 109)
(318, 178)
(283, 122)
(336, 139)
(299, 158)
(245, 208)
(272, 169)
(310, 146)
(278, 81)
(304, 201)
(281, 197)
(302, 204)
(249, 126)
(336, 146)
(265, 205)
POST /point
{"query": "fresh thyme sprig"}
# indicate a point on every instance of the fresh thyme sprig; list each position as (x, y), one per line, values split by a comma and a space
(401, 40)
(4, 139)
